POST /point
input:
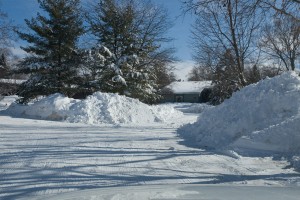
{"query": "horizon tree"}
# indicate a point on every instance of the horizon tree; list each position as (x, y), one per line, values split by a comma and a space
(6, 37)
(290, 8)
(223, 29)
(281, 41)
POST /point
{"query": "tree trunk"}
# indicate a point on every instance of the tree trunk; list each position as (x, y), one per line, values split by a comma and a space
(235, 45)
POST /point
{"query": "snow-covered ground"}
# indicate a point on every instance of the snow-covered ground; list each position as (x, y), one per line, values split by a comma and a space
(43, 158)
(97, 158)
(184, 192)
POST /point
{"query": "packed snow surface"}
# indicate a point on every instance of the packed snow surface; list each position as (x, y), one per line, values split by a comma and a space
(43, 159)
(184, 192)
(99, 108)
(264, 116)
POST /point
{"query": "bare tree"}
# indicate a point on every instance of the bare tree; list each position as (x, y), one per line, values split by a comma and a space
(6, 37)
(225, 25)
(194, 74)
(6, 30)
(281, 41)
(6, 56)
(225, 31)
(200, 73)
(289, 8)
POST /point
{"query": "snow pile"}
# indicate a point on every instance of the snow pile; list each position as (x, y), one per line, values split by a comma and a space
(54, 107)
(99, 108)
(5, 101)
(266, 113)
(296, 162)
(115, 109)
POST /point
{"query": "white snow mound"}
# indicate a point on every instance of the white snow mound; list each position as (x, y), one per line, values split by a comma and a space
(99, 108)
(5, 101)
(267, 112)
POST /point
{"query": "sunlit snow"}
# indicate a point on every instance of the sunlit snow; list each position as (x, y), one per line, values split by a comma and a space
(119, 148)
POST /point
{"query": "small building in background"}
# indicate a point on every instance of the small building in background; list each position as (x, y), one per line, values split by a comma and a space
(189, 91)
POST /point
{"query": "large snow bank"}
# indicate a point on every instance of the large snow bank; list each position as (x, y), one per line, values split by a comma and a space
(99, 108)
(266, 113)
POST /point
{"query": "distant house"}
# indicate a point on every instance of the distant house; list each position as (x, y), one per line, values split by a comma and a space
(189, 91)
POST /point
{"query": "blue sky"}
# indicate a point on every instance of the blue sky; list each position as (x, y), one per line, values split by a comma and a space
(181, 29)
(18, 10)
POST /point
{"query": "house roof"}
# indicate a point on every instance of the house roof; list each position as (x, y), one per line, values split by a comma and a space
(188, 87)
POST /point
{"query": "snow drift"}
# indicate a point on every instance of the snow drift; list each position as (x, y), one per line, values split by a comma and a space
(99, 108)
(266, 113)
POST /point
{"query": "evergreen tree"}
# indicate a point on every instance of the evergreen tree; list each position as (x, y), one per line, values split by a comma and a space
(253, 74)
(53, 53)
(3, 66)
(133, 32)
(225, 78)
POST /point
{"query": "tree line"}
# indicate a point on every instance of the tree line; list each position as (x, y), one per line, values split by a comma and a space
(117, 46)
(108, 46)
(239, 42)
